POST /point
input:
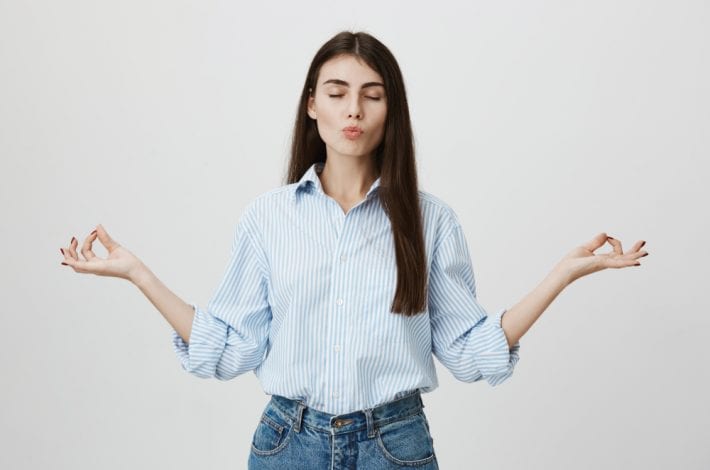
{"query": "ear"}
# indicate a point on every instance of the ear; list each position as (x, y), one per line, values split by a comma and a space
(312, 107)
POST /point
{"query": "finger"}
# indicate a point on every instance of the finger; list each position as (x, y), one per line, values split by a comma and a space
(637, 246)
(72, 248)
(86, 247)
(79, 266)
(616, 244)
(105, 239)
(637, 254)
(623, 262)
(595, 242)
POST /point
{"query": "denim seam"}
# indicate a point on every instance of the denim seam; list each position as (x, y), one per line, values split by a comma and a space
(393, 419)
(279, 448)
(284, 414)
(408, 463)
(270, 422)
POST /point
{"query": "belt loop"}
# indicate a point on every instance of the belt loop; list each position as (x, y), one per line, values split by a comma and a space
(370, 423)
(299, 416)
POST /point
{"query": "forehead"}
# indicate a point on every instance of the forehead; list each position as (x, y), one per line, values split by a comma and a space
(348, 68)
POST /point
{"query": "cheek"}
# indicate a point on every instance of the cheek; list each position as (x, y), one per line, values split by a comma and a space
(325, 116)
(327, 126)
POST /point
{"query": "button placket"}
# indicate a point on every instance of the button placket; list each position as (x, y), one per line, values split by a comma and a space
(343, 228)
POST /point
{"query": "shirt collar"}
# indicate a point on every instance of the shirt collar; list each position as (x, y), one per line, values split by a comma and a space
(310, 180)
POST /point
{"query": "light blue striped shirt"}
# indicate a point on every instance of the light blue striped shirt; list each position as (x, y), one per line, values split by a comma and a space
(305, 299)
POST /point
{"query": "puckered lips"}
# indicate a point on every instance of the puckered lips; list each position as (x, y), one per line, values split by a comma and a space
(352, 132)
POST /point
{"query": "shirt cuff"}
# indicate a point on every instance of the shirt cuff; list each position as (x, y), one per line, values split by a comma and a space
(207, 339)
(182, 348)
(498, 361)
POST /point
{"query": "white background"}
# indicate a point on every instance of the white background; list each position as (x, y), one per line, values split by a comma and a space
(542, 123)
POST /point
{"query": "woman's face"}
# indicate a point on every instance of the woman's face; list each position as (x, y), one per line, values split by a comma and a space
(349, 106)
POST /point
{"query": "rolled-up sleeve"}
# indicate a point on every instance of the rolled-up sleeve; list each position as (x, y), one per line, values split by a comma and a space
(230, 336)
(465, 339)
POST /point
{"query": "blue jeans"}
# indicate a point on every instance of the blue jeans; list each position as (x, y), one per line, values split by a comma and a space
(394, 435)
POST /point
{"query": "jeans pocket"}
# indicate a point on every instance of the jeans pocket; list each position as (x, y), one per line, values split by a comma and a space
(407, 441)
(272, 433)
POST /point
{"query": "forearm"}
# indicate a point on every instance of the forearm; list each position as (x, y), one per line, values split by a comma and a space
(519, 318)
(178, 313)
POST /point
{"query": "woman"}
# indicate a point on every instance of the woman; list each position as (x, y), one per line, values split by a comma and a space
(344, 283)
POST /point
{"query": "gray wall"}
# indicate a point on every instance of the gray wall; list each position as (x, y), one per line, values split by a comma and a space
(541, 123)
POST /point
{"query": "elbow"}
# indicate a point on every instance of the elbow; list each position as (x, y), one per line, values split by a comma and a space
(493, 368)
(468, 374)
(469, 378)
(218, 370)
(499, 378)
(493, 378)
(202, 371)
(496, 369)
(226, 375)
(234, 363)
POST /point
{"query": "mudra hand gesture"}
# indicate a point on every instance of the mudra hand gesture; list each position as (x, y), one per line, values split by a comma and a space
(582, 260)
(119, 263)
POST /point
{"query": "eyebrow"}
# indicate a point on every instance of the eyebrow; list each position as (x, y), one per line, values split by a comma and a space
(336, 81)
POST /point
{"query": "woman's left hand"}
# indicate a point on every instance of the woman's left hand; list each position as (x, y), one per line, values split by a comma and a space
(582, 260)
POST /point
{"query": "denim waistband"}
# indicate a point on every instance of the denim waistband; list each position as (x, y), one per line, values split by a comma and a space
(367, 419)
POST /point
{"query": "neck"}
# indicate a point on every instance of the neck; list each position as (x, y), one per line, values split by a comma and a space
(348, 179)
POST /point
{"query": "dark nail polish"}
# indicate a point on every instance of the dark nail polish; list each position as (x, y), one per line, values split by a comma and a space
(642, 244)
(645, 254)
(637, 264)
(65, 264)
(610, 238)
(93, 232)
(62, 250)
(72, 239)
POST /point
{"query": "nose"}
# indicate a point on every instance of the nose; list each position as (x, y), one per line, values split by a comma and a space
(354, 110)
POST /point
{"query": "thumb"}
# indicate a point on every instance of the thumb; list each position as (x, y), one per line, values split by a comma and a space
(596, 242)
(106, 239)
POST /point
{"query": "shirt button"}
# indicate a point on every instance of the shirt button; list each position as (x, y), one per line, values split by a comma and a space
(339, 301)
(336, 348)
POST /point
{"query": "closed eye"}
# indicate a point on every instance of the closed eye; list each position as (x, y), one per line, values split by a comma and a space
(373, 98)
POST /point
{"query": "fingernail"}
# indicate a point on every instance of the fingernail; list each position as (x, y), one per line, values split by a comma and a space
(637, 264)
(610, 238)
(642, 244)
(62, 250)
(65, 264)
(72, 239)
(645, 254)
(95, 232)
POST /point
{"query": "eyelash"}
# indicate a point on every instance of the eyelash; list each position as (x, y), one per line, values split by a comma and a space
(373, 98)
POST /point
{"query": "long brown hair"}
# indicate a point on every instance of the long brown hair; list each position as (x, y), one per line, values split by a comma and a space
(394, 160)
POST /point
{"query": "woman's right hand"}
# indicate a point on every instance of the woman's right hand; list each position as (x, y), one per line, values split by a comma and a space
(119, 263)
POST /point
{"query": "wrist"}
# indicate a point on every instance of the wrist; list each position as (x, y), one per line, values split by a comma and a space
(140, 275)
(561, 275)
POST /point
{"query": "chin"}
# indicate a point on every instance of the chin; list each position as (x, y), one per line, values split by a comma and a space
(349, 153)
